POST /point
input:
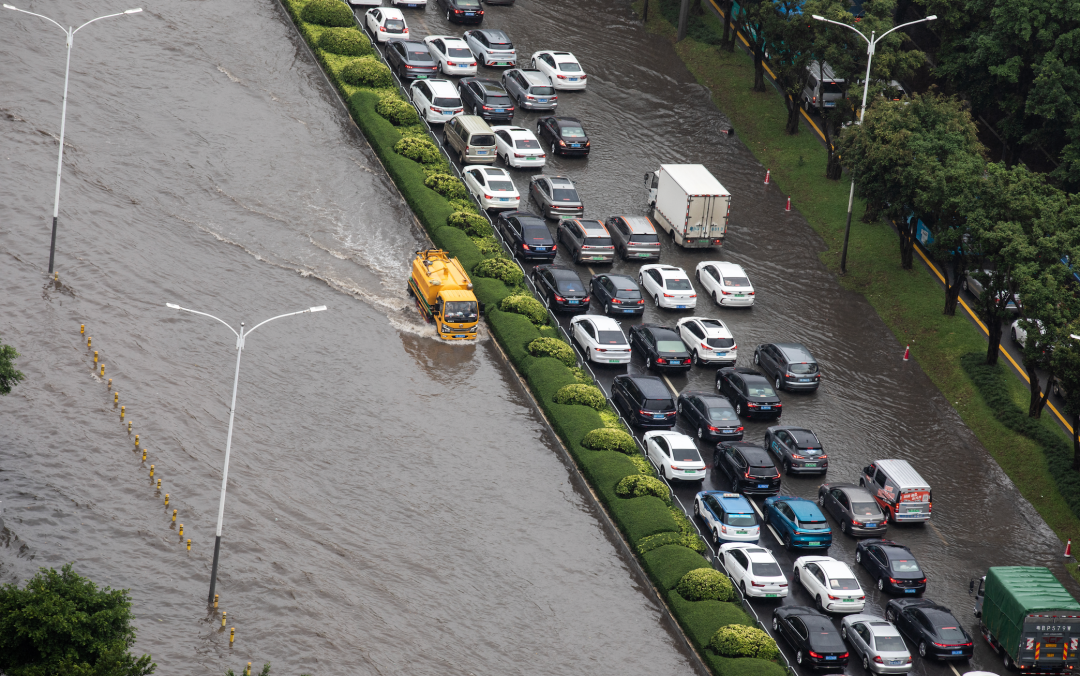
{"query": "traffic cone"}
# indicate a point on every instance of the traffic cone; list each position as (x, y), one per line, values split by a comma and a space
(907, 353)
(1068, 549)
(767, 172)
(788, 204)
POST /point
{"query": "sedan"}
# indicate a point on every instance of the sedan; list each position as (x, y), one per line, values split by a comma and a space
(669, 286)
(463, 11)
(518, 147)
(492, 47)
(727, 283)
(798, 450)
(754, 570)
(556, 195)
(853, 508)
(618, 294)
(674, 455)
(565, 135)
(892, 565)
(600, 338)
(931, 627)
(711, 415)
(561, 288)
(798, 521)
(1018, 331)
(831, 583)
(410, 60)
(486, 98)
(527, 235)
(562, 69)
(750, 392)
(971, 283)
(386, 24)
(747, 468)
(877, 642)
(452, 54)
(660, 346)
(812, 636)
(492, 187)
(709, 340)
(437, 100)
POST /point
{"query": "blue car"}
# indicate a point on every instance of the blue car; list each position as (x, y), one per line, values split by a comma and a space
(798, 521)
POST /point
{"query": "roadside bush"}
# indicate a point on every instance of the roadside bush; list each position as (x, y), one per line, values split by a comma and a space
(328, 13)
(399, 112)
(656, 541)
(582, 395)
(463, 204)
(645, 516)
(367, 73)
(502, 269)
(668, 564)
(526, 305)
(345, 41)
(706, 584)
(643, 465)
(488, 246)
(542, 347)
(474, 224)
(608, 439)
(419, 150)
(446, 185)
(739, 640)
(637, 485)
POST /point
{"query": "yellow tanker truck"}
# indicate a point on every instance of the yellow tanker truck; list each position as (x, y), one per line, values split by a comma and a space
(443, 292)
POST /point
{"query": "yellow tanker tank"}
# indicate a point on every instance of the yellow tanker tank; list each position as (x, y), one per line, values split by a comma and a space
(443, 293)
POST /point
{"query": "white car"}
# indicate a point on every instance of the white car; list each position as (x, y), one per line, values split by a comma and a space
(386, 23)
(452, 54)
(561, 67)
(492, 187)
(492, 47)
(878, 642)
(518, 147)
(408, 3)
(830, 583)
(365, 3)
(437, 100)
(708, 340)
(754, 570)
(674, 455)
(1019, 334)
(727, 283)
(601, 338)
(668, 285)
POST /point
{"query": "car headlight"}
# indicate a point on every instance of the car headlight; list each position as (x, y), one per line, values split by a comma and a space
(446, 328)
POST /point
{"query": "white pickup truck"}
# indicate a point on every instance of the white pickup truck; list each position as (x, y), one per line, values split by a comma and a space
(689, 204)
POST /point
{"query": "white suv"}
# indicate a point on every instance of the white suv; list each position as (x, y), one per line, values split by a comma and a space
(830, 583)
(601, 338)
(518, 147)
(668, 285)
(437, 100)
(727, 283)
(708, 340)
(561, 67)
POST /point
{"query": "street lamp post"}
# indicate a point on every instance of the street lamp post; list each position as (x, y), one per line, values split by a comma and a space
(70, 33)
(240, 338)
(871, 46)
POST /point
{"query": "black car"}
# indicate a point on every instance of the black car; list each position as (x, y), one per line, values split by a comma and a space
(816, 642)
(662, 348)
(619, 294)
(411, 60)
(562, 288)
(892, 565)
(931, 627)
(711, 415)
(798, 449)
(644, 400)
(747, 467)
(853, 508)
(487, 98)
(565, 134)
(749, 391)
(527, 235)
(463, 11)
(790, 366)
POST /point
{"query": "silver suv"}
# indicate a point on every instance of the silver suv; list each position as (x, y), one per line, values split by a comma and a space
(556, 195)
(586, 241)
(530, 88)
(634, 237)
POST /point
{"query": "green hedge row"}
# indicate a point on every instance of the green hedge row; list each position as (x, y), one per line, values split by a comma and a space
(666, 541)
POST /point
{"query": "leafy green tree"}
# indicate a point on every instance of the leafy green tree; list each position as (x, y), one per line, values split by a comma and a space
(61, 623)
(752, 17)
(9, 376)
(1067, 367)
(791, 43)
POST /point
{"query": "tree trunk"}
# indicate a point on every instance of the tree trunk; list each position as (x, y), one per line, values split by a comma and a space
(697, 8)
(1076, 440)
(792, 126)
(729, 26)
(952, 298)
(1041, 404)
(993, 327)
(907, 244)
(1035, 395)
(873, 210)
(759, 65)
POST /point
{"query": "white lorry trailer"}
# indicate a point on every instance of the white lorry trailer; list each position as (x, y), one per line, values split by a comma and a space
(689, 204)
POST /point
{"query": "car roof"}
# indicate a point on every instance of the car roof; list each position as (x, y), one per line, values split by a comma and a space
(795, 351)
(757, 553)
(535, 76)
(834, 568)
(444, 38)
(521, 214)
(563, 273)
(672, 436)
(850, 489)
(639, 225)
(568, 57)
(512, 130)
(602, 322)
(725, 266)
(495, 171)
(491, 86)
(657, 331)
(666, 270)
(441, 86)
(714, 327)
(415, 46)
(733, 503)
(557, 180)
(719, 399)
(651, 386)
(494, 34)
(622, 282)
(752, 452)
(592, 225)
(803, 508)
(391, 13)
(902, 473)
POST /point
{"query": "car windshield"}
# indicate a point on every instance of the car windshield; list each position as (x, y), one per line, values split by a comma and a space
(740, 520)
(564, 195)
(890, 644)
(394, 25)
(573, 132)
(644, 239)
(498, 101)
(865, 509)
(685, 454)
(720, 342)
(482, 140)
(951, 634)
(769, 471)
(814, 525)
(628, 294)
(467, 4)
(904, 566)
(536, 234)
(527, 144)
(766, 569)
(501, 186)
(759, 390)
(417, 55)
(542, 91)
(459, 53)
(670, 346)
(570, 286)
(570, 67)
(659, 404)
(677, 284)
(736, 281)
(611, 338)
(831, 88)
(460, 311)
(721, 414)
(843, 583)
(447, 103)
(802, 368)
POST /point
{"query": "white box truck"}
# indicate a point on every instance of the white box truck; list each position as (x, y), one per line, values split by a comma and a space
(689, 204)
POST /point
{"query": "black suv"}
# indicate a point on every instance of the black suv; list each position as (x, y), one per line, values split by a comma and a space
(565, 134)
(798, 449)
(527, 235)
(644, 400)
(562, 288)
(711, 415)
(618, 294)
(747, 467)
(749, 391)
(789, 365)
(463, 11)
(487, 98)
(892, 565)
(662, 347)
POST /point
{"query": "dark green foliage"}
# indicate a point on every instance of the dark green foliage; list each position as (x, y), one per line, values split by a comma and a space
(9, 375)
(457, 242)
(606, 470)
(736, 640)
(707, 616)
(503, 269)
(743, 666)
(328, 13)
(265, 671)
(706, 584)
(542, 347)
(474, 224)
(696, 26)
(399, 112)
(488, 291)
(446, 185)
(666, 565)
(526, 304)
(418, 149)
(513, 331)
(637, 485)
(367, 73)
(61, 623)
(609, 439)
(345, 41)
(641, 517)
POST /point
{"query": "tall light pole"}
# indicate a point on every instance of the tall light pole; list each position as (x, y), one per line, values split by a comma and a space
(240, 338)
(70, 33)
(871, 46)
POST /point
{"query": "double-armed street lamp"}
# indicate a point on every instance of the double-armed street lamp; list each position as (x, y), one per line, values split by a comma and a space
(241, 336)
(70, 33)
(871, 46)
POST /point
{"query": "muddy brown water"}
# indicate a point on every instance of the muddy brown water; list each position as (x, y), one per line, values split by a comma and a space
(395, 505)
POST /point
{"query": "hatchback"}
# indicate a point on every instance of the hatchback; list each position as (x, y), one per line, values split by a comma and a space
(669, 286)
(492, 187)
(798, 450)
(556, 195)
(492, 47)
(561, 287)
(600, 338)
(660, 347)
(634, 237)
(386, 24)
(789, 365)
(562, 68)
(749, 391)
(712, 416)
(892, 565)
(410, 60)
(729, 517)
(709, 341)
(727, 283)
(798, 521)
(877, 643)
(565, 134)
(463, 11)
(531, 89)
(486, 98)
(527, 235)
(437, 100)
(674, 455)
(618, 294)
(518, 147)
(644, 400)
(747, 468)
(453, 54)
(853, 508)
(586, 241)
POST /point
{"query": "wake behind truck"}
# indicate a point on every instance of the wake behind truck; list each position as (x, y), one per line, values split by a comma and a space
(689, 204)
(1029, 619)
(443, 293)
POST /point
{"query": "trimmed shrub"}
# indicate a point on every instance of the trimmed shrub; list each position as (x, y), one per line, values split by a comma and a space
(488, 246)
(643, 466)
(399, 112)
(642, 517)
(446, 185)
(666, 565)
(502, 269)
(466, 205)
(638, 485)
(706, 584)
(608, 439)
(328, 13)
(526, 305)
(656, 541)
(542, 347)
(345, 41)
(366, 73)
(474, 224)
(738, 640)
(419, 150)
(606, 470)
(580, 394)
(488, 291)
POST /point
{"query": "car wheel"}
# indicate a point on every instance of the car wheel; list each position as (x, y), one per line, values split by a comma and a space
(447, 14)
(843, 632)
(795, 575)
(862, 482)
(738, 409)
(787, 467)
(821, 500)
(715, 298)
(716, 537)
(798, 658)
(607, 308)
(922, 648)
(890, 615)
(532, 64)
(700, 433)
(846, 527)
(1006, 660)
(787, 542)
(865, 663)
(756, 360)
(648, 363)
(881, 584)
(656, 299)
(695, 358)
(697, 508)
(858, 556)
(820, 605)
(742, 586)
(777, 384)
(553, 147)
(734, 485)
(775, 624)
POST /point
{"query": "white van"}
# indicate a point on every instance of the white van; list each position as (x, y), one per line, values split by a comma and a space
(896, 486)
(821, 85)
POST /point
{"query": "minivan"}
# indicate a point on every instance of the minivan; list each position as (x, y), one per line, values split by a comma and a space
(644, 400)
(822, 86)
(471, 138)
(586, 241)
(789, 365)
(896, 486)
(634, 237)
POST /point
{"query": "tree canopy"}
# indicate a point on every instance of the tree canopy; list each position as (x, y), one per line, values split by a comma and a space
(9, 375)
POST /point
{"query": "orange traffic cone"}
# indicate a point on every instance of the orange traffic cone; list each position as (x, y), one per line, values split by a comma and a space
(767, 172)
(1068, 549)
(788, 204)
(907, 353)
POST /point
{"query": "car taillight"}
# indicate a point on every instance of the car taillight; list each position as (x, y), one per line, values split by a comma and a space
(751, 404)
(815, 655)
(726, 293)
(530, 97)
(562, 143)
(560, 298)
(705, 347)
(434, 109)
(458, 11)
(450, 63)
(404, 30)
(473, 65)
(661, 360)
(561, 77)
(382, 29)
(843, 657)
(894, 581)
(553, 98)
(693, 295)
(713, 429)
(588, 143)
(756, 584)
(616, 301)
(488, 108)
(525, 247)
(519, 155)
(668, 295)
(922, 581)
(583, 76)
(833, 598)
(747, 475)
(877, 658)
(410, 67)
(600, 349)
(783, 584)
(723, 529)
(585, 299)
(740, 429)
(488, 197)
(641, 301)
(750, 294)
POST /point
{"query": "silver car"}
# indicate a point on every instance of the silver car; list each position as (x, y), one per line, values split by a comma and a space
(970, 283)
(556, 196)
(635, 237)
(491, 47)
(877, 642)
(530, 88)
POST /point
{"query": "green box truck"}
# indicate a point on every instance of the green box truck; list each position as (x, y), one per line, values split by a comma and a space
(1029, 619)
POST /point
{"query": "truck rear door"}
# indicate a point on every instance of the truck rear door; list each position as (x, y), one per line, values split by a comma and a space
(705, 217)
(1050, 644)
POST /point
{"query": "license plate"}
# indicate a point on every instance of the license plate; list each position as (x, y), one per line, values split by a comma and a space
(597, 258)
(909, 591)
(871, 525)
(805, 380)
(740, 532)
(763, 485)
(690, 471)
(913, 511)
(613, 361)
(814, 544)
(504, 199)
(461, 335)
(541, 100)
(961, 652)
(895, 662)
(740, 295)
(500, 110)
(575, 145)
(481, 152)
(539, 248)
(627, 310)
(503, 63)
(766, 408)
(830, 657)
(470, 13)
(658, 415)
(811, 464)
(644, 255)
(680, 307)
(419, 77)
(770, 596)
(573, 79)
(729, 431)
(830, 104)
(573, 302)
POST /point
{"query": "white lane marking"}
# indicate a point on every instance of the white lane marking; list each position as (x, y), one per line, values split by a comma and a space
(777, 536)
(591, 271)
(754, 505)
(938, 533)
(951, 666)
(670, 386)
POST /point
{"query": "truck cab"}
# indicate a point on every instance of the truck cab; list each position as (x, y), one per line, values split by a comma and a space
(443, 293)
